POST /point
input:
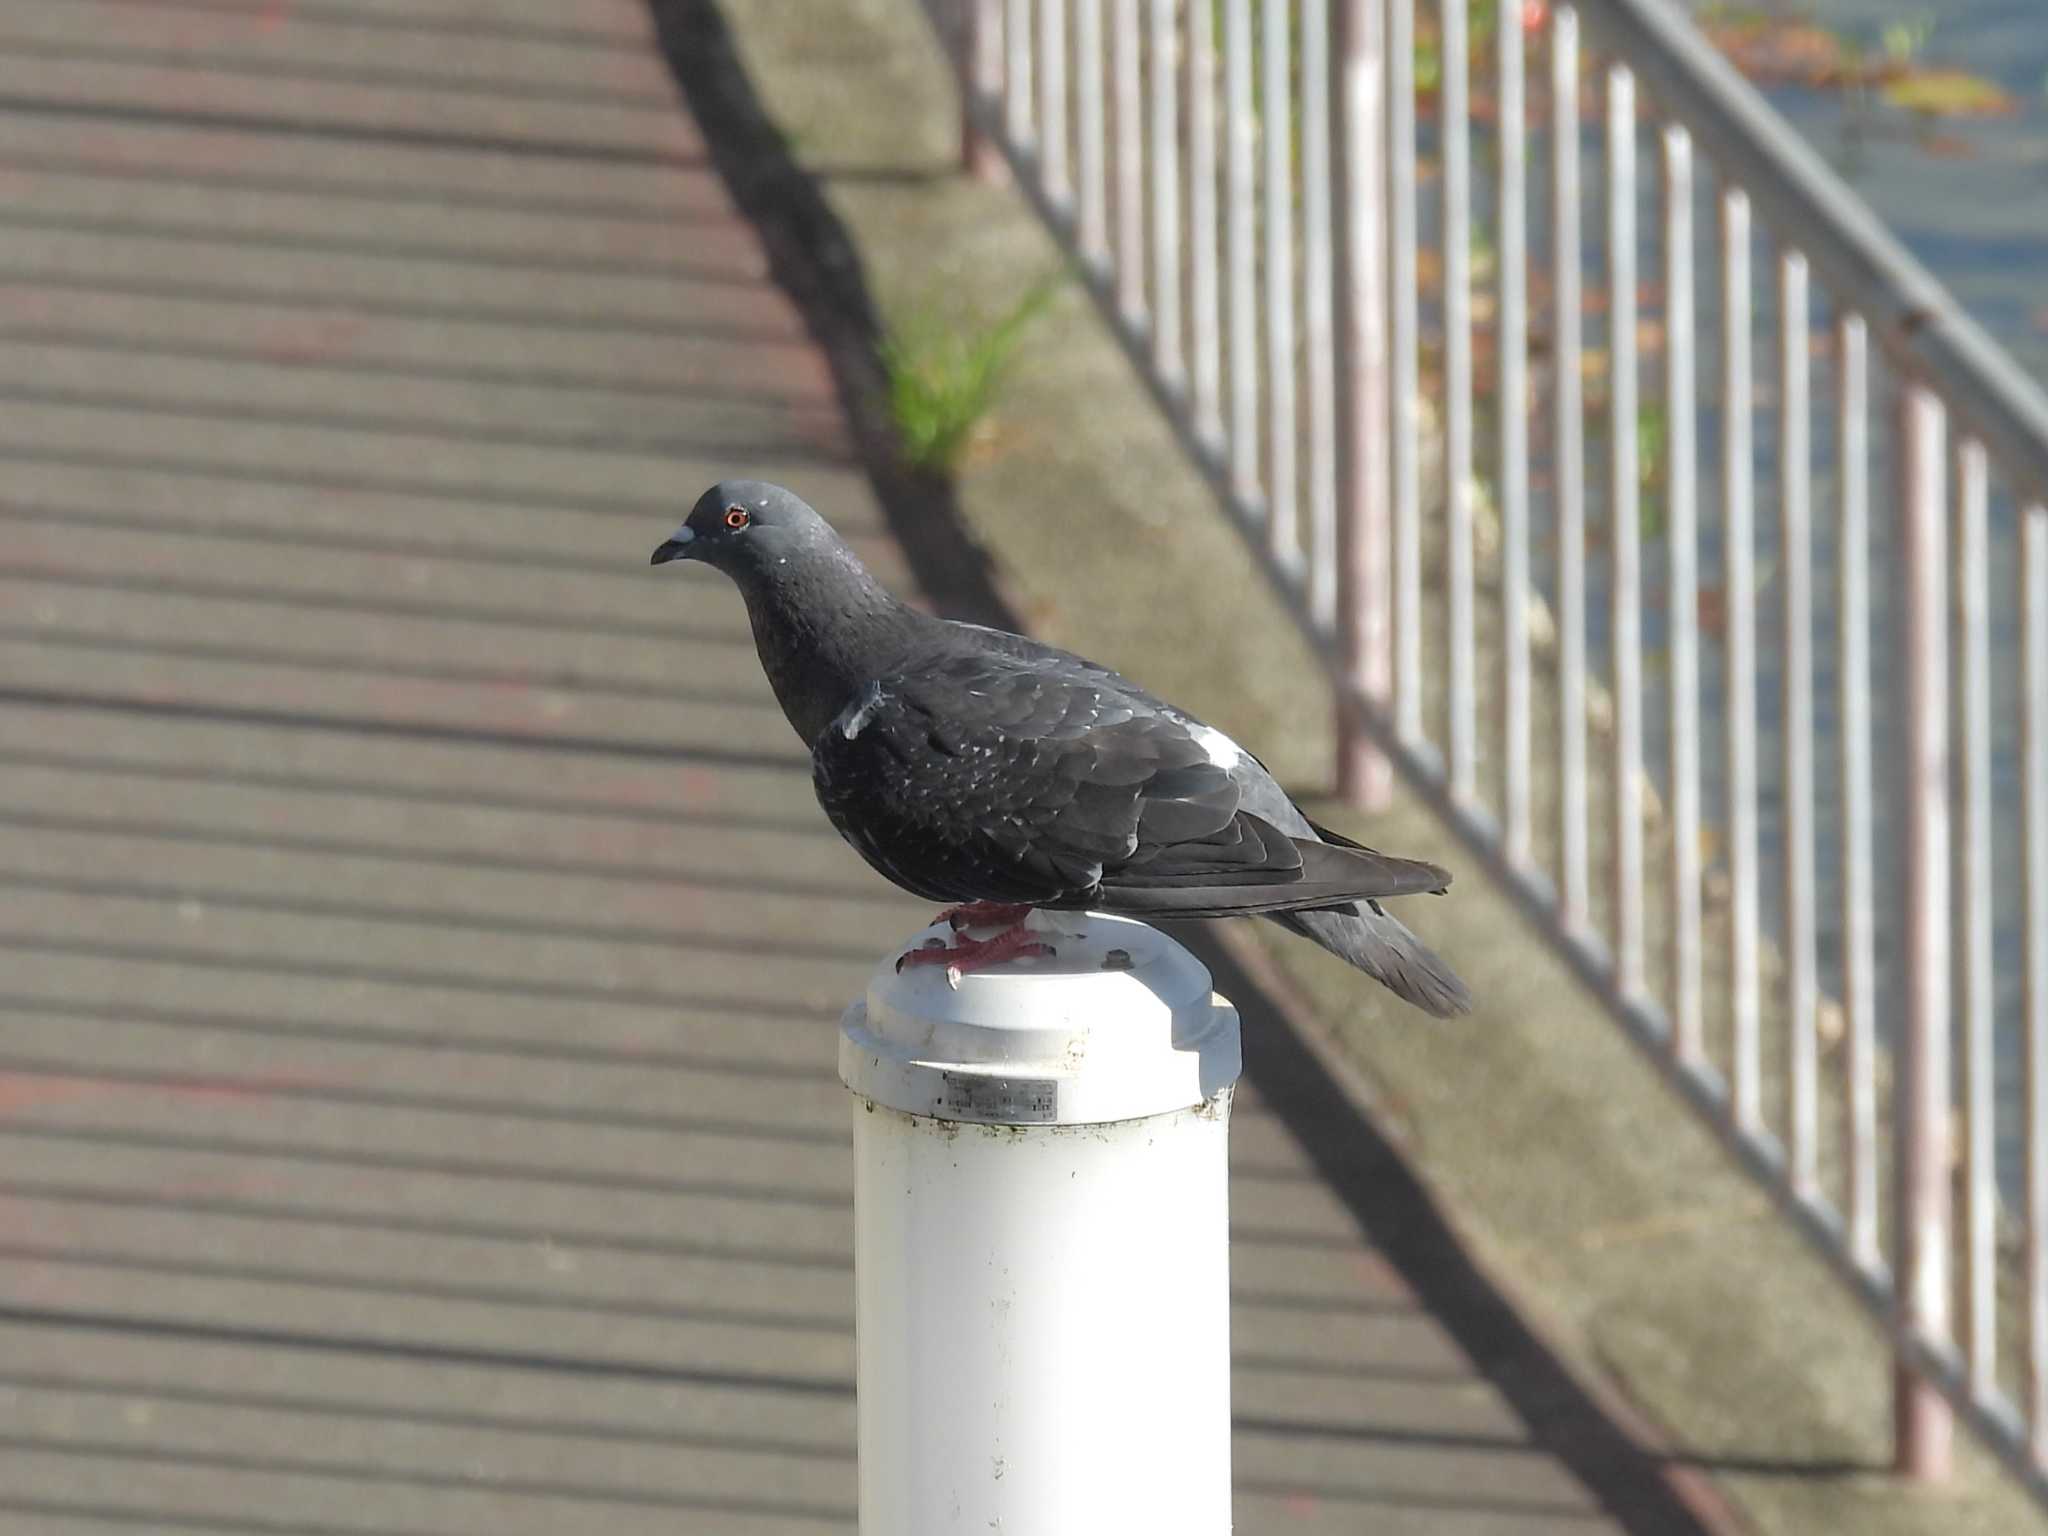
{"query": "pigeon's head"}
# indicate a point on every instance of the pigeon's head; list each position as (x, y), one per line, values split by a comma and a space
(746, 528)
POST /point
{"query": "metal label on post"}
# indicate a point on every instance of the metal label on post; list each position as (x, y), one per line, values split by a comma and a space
(1010, 1100)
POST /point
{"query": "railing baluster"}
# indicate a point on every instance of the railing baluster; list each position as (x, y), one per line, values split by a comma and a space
(1980, 1209)
(2034, 810)
(1317, 296)
(1282, 530)
(1859, 939)
(1363, 773)
(1456, 130)
(1568, 455)
(981, 66)
(1625, 513)
(1052, 99)
(1130, 163)
(1093, 228)
(1405, 445)
(1739, 580)
(1238, 219)
(1017, 82)
(1795, 555)
(1512, 330)
(1208, 344)
(1681, 521)
(1167, 233)
(1924, 1420)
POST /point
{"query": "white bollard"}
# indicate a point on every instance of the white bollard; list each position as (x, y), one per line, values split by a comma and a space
(1041, 1250)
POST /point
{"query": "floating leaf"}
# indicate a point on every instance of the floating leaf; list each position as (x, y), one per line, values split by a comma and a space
(1949, 93)
(1429, 66)
(1774, 52)
(1947, 146)
(1713, 611)
(1903, 41)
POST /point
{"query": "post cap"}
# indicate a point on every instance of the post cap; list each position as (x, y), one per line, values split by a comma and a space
(1120, 1024)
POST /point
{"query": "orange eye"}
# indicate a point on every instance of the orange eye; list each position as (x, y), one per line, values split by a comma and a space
(736, 518)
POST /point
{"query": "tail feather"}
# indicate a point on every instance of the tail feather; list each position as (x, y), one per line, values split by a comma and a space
(1382, 946)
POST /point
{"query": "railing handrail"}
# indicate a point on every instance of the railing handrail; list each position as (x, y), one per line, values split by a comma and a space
(1966, 413)
(1923, 330)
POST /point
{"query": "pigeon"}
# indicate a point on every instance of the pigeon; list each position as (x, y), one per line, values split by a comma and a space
(1014, 781)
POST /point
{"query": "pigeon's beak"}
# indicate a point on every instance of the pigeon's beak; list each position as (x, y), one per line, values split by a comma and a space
(677, 548)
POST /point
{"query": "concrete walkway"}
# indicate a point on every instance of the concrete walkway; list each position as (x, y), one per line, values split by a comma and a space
(419, 947)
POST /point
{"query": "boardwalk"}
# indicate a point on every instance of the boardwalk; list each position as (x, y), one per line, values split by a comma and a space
(418, 944)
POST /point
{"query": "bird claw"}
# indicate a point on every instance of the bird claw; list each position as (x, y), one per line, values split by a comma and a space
(905, 958)
(965, 955)
(983, 914)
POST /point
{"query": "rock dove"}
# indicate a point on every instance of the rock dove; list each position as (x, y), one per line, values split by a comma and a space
(980, 768)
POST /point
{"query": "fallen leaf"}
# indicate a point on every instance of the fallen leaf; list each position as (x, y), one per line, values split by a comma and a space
(1947, 146)
(1774, 52)
(1949, 93)
(1713, 611)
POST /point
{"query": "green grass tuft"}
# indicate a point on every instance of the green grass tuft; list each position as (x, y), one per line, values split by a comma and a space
(943, 380)
(1906, 40)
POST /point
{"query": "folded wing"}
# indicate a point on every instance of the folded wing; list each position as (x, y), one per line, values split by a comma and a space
(983, 777)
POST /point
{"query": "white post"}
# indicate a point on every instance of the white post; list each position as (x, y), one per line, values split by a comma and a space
(1041, 1249)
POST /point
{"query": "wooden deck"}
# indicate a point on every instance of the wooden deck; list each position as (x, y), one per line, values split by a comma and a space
(419, 947)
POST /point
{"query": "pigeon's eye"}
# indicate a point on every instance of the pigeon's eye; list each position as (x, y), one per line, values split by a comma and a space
(737, 518)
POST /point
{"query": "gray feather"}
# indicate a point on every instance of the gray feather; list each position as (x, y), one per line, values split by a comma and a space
(1382, 946)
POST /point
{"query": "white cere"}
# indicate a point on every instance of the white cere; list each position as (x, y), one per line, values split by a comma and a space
(1220, 749)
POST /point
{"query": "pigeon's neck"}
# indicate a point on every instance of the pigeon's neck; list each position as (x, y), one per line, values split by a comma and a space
(825, 629)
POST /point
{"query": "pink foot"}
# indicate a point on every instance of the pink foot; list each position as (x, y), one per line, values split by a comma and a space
(964, 955)
(982, 914)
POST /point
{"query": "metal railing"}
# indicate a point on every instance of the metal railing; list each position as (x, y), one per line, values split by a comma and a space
(1464, 539)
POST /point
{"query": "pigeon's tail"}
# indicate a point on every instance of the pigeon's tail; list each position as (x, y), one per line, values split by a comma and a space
(1381, 946)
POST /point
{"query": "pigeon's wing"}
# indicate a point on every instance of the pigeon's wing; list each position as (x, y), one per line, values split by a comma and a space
(982, 777)
(1259, 793)
(985, 777)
